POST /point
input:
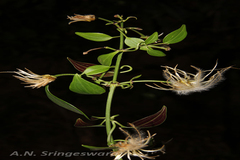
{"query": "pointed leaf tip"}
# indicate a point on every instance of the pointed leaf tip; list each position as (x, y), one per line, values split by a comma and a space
(151, 39)
(152, 120)
(106, 59)
(82, 66)
(176, 36)
(154, 52)
(82, 124)
(97, 148)
(94, 36)
(133, 42)
(96, 69)
(82, 86)
(63, 103)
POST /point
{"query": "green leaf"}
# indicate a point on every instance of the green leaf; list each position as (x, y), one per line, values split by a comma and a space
(153, 38)
(97, 148)
(82, 66)
(136, 77)
(94, 36)
(63, 103)
(156, 53)
(92, 70)
(106, 59)
(176, 36)
(144, 48)
(133, 42)
(82, 86)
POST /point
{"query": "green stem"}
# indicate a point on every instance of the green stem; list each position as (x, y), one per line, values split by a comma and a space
(65, 74)
(108, 114)
(110, 48)
(116, 70)
(111, 131)
(157, 47)
(140, 81)
(119, 58)
(106, 20)
(121, 38)
(144, 81)
(142, 35)
(113, 86)
(121, 33)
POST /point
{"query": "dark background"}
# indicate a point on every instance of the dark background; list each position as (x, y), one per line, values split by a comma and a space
(35, 34)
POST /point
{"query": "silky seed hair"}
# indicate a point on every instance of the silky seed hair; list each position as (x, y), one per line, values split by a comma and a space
(184, 83)
(134, 145)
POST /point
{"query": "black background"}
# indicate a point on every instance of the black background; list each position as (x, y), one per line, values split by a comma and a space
(35, 34)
